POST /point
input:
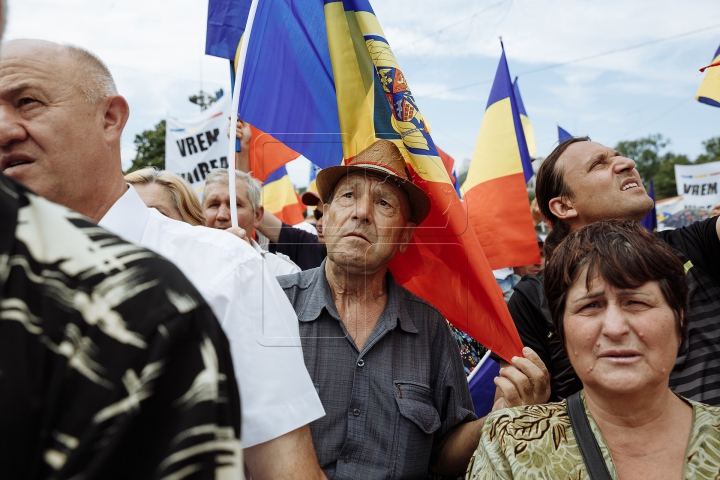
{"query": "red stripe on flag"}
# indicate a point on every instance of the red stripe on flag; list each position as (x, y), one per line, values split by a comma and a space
(716, 64)
(505, 231)
(445, 265)
(292, 214)
(448, 161)
(267, 154)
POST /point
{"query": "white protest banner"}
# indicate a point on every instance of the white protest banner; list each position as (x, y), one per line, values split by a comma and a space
(698, 184)
(195, 146)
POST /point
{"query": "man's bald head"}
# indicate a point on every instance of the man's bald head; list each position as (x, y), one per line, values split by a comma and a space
(60, 124)
(91, 75)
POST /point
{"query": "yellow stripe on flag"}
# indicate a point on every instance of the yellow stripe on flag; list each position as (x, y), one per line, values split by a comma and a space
(355, 111)
(496, 151)
(529, 135)
(710, 86)
(369, 24)
(278, 195)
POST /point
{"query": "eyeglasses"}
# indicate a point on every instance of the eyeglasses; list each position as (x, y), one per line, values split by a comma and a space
(318, 214)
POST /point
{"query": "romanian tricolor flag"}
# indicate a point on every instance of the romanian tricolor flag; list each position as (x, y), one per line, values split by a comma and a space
(527, 126)
(225, 28)
(709, 91)
(496, 186)
(280, 198)
(320, 77)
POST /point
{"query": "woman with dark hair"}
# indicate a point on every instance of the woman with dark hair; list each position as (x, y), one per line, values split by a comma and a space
(583, 182)
(618, 298)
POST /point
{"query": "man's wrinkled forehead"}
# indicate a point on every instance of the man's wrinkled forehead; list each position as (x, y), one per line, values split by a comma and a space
(580, 153)
(24, 62)
(378, 181)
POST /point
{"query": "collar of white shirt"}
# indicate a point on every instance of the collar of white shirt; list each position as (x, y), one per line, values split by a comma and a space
(258, 248)
(127, 217)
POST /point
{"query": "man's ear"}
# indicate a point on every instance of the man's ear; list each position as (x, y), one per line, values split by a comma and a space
(259, 213)
(406, 236)
(562, 208)
(117, 112)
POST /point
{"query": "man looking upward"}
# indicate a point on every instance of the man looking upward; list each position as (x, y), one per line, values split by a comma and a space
(383, 360)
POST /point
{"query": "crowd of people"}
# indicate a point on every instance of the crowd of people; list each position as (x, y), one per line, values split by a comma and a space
(140, 340)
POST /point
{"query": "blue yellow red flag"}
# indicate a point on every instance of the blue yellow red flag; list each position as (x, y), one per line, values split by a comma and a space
(526, 124)
(563, 134)
(320, 77)
(709, 91)
(495, 190)
(280, 198)
(650, 220)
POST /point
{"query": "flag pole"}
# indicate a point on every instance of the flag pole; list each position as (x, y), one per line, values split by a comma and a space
(234, 110)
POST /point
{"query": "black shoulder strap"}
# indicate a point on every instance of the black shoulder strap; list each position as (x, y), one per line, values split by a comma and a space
(594, 461)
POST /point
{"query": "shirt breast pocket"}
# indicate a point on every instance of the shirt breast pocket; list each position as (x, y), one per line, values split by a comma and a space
(415, 402)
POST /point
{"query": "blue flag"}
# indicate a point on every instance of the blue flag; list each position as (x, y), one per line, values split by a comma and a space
(650, 220)
(482, 387)
(563, 135)
(225, 25)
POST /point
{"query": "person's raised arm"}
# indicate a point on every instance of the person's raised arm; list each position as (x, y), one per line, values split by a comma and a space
(270, 226)
(290, 456)
(244, 134)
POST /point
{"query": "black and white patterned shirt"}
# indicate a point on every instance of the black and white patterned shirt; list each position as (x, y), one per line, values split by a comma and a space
(111, 364)
(391, 407)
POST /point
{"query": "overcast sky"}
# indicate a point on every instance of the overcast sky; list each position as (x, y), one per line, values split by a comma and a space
(448, 51)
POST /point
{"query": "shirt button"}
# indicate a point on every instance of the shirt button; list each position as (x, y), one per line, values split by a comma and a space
(356, 412)
(347, 459)
(360, 362)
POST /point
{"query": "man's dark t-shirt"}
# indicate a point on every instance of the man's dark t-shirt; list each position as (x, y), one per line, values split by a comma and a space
(697, 370)
(302, 247)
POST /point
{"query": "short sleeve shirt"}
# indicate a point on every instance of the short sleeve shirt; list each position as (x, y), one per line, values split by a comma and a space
(302, 247)
(390, 407)
(275, 388)
(537, 441)
(697, 367)
(112, 365)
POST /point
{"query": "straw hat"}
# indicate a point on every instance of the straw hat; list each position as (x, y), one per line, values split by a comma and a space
(382, 158)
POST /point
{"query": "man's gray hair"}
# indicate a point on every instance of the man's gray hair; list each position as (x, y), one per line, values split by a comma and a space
(95, 80)
(252, 185)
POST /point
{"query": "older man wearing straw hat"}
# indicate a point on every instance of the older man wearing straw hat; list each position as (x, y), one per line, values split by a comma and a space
(383, 360)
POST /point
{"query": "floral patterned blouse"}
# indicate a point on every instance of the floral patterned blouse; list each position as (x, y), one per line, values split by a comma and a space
(537, 442)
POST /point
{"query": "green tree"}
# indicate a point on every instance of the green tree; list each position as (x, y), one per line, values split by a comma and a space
(646, 153)
(712, 151)
(150, 146)
(664, 179)
(204, 100)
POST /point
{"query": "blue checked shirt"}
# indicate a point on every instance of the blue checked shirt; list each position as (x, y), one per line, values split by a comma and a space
(391, 407)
